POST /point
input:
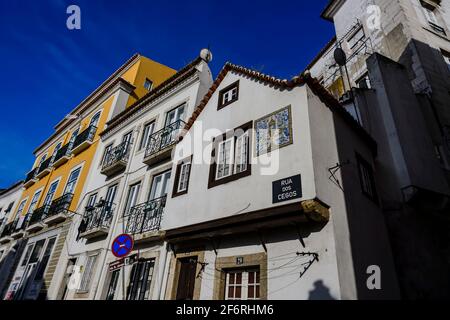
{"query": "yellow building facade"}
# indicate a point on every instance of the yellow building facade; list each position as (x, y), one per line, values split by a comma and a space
(54, 186)
(133, 74)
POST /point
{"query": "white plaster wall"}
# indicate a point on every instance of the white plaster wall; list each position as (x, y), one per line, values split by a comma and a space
(190, 91)
(255, 101)
(13, 195)
(283, 265)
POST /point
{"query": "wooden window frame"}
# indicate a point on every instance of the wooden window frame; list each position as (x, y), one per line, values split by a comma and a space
(212, 181)
(151, 84)
(221, 104)
(175, 192)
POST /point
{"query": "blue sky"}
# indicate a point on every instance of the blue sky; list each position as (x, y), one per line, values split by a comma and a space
(46, 69)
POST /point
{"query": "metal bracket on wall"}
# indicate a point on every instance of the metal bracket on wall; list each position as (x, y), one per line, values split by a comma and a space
(334, 170)
(261, 238)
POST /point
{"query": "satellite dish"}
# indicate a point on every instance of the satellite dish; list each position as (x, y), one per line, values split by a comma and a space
(206, 55)
(340, 57)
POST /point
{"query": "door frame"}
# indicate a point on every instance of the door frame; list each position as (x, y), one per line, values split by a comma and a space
(175, 266)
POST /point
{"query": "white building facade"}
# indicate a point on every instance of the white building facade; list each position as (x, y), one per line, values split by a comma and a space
(285, 214)
(11, 244)
(126, 193)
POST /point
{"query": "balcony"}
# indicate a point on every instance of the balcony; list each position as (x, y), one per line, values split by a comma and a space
(84, 140)
(161, 143)
(31, 178)
(18, 232)
(58, 211)
(44, 169)
(144, 220)
(62, 156)
(116, 159)
(35, 223)
(97, 220)
(5, 236)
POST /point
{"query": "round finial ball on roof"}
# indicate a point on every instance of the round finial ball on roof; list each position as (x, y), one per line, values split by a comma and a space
(206, 55)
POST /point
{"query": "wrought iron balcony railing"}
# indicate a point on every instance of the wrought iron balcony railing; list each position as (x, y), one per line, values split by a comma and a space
(31, 175)
(38, 215)
(164, 138)
(60, 205)
(117, 154)
(64, 151)
(7, 230)
(98, 216)
(87, 135)
(44, 165)
(145, 217)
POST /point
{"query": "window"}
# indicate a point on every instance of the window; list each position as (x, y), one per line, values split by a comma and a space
(364, 82)
(70, 186)
(148, 84)
(356, 38)
(429, 12)
(45, 259)
(73, 137)
(231, 156)
(9, 208)
(366, 178)
(175, 114)
(106, 152)
(87, 273)
(274, 131)
(34, 202)
(20, 212)
(160, 185)
(446, 56)
(149, 128)
(224, 159)
(50, 193)
(36, 251)
(140, 280)
(95, 119)
(228, 95)
(91, 201)
(113, 285)
(182, 174)
(132, 197)
(26, 257)
(42, 160)
(58, 146)
(241, 153)
(242, 285)
(127, 137)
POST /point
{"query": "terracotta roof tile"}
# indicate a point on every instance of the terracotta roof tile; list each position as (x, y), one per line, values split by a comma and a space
(281, 84)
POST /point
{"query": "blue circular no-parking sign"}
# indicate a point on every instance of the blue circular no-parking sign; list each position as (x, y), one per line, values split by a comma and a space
(122, 245)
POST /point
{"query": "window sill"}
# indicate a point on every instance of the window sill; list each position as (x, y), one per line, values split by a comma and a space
(238, 176)
(440, 35)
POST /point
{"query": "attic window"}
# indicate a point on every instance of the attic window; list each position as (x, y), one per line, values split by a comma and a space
(228, 95)
(148, 84)
(430, 11)
(446, 56)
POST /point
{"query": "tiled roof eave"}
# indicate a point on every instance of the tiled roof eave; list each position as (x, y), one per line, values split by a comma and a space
(173, 81)
(304, 78)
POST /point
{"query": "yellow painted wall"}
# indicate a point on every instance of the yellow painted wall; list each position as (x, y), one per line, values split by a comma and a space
(152, 70)
(85, 158)
(136, 74)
